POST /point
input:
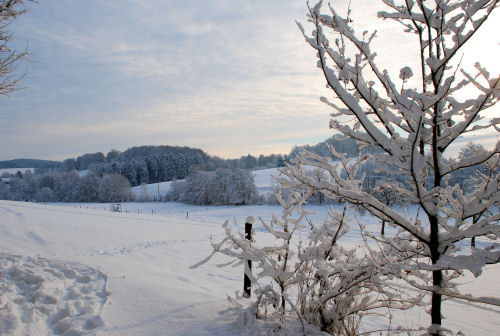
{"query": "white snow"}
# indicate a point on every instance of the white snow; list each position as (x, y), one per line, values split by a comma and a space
(264, 177)
(150, 191)
(83, 173)
(42, 296)
(78, 269)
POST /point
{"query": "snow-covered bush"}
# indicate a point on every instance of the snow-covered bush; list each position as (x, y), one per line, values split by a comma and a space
(303, 285)
(115, 188)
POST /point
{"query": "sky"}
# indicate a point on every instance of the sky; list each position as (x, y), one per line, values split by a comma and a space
(229, 77)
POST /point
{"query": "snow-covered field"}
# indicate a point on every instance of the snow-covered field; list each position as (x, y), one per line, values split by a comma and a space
(78, 269)
(151, 191)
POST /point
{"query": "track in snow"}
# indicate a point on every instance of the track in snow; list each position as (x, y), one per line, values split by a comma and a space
(39, 296)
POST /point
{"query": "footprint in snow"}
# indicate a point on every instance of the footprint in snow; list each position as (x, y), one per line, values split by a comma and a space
(39, 296)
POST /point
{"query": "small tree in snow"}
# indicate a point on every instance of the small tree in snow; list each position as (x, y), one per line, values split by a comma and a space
(414, 128)
(327, 286)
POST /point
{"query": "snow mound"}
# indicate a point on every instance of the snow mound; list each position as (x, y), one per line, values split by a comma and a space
(39, 296)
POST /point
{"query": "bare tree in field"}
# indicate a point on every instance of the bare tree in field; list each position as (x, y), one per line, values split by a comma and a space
(9, 10)
(414, 127)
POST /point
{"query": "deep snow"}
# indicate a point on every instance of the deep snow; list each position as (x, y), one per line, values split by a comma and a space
(81, 269)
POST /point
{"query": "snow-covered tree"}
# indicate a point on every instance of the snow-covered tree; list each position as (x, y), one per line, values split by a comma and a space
(69, 165)
(413, 124)
(66, 186)
(45, 194)
(222, 187)
(112, 154)
(153, 163)
(115, 188)
(88, 188)
(9, 10)
(30, 188)
(239, 185)
(4, 191)
(198, 185)
(467, 175)
(129, 172)
(141, 172)
(16, 186)
(177, 191)
(47, 180)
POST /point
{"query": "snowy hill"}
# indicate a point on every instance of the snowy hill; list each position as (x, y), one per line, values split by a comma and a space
(150, 191)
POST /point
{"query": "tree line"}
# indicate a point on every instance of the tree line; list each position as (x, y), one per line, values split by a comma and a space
(65, 187)
(220, 187)
(152, 164)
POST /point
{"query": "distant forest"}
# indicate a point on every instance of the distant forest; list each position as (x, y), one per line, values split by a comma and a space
(198, 177)
(151, 164)
(30, 163)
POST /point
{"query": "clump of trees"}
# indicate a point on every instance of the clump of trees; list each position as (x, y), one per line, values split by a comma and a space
(412, 123)
(220, 187)
(66, 187)
(153, 164)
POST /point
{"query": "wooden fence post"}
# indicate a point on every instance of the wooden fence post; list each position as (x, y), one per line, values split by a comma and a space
(247, 268)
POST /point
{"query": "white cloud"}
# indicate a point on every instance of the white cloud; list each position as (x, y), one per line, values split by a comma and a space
(230, 77)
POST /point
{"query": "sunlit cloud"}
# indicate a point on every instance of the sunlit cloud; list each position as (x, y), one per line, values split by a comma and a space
(231, 78)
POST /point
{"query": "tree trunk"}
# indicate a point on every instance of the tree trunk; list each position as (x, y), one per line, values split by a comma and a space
(437, 276)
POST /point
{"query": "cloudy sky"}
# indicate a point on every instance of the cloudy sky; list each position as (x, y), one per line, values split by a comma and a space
(230, 77)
